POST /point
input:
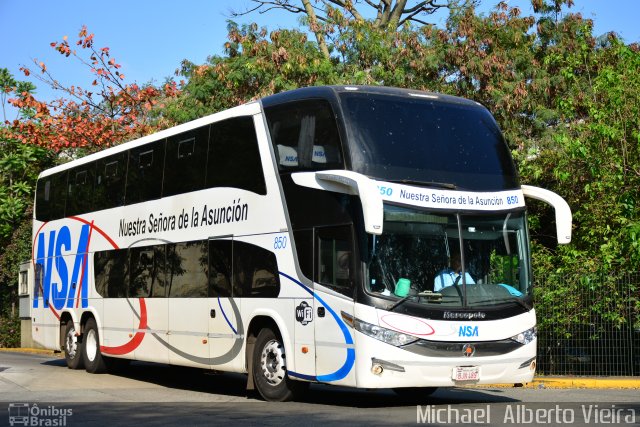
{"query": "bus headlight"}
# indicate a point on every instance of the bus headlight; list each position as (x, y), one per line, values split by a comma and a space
(527, 336)
(385, 335)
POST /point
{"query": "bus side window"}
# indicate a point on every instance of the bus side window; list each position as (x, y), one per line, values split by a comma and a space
(186, 162)
(43, 199)
(220, 257)
(334, 258)
(255, 271)
(144, 173)
(305, 135)
(51, 197)
(80, 194)
(234, 158)
(111, 273)
(110, 182)
(147, 266)
(187, 269)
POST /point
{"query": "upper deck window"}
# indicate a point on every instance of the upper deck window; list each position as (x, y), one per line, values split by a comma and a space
(186, 162)
(305, 136)
(234, 157)
(396, 138)
(51, 196)
(144, 173)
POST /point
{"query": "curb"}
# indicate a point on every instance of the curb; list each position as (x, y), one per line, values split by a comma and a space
(29, 351)
(571, 382)
(604, 383)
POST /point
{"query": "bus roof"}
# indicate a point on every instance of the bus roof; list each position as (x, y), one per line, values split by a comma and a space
(245, 109)
(334, 91)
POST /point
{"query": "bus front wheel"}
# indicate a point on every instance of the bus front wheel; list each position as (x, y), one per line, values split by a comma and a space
(270, 369)
(73, 347)
(93, 360)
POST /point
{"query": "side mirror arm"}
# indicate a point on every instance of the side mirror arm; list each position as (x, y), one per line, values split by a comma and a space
(563, 211)
(353, 183)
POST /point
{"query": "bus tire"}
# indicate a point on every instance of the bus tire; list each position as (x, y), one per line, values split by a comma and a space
(93, 360)
(414, 393)
(270, 370)
(73, 347)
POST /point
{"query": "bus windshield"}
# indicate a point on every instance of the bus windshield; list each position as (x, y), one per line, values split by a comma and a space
(399, 138)
(418, 257)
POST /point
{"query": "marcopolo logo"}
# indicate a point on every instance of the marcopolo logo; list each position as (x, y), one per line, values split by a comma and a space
(32, 415)
(455, 315)
(61, 267)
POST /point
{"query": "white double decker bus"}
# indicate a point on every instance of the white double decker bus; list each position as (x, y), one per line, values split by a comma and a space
(358, 236)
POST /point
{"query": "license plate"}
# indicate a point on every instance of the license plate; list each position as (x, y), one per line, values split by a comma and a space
(466, 373)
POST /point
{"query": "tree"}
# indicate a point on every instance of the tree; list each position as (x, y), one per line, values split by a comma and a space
(255, 64)
(325, 17)
(19, 168)
(567, 101)
(9, 85)
(107, 114)
(87, 120)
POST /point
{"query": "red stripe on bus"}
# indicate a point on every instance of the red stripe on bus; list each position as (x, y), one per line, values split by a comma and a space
(105, 235)
(137, 338)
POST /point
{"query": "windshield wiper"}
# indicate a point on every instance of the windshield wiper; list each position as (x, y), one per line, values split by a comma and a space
(493, 301)
(419, 294)
(447, 185)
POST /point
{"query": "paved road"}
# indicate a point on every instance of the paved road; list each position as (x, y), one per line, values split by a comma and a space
(149, 394)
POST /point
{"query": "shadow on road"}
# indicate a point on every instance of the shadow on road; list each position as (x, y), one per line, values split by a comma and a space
(231, 384)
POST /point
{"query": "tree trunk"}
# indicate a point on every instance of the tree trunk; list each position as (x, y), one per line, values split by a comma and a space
(315, 27)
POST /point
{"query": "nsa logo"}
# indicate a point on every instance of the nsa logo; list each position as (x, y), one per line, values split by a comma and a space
(304, 313)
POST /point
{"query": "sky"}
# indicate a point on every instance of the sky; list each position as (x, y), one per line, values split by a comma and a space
(151, 38)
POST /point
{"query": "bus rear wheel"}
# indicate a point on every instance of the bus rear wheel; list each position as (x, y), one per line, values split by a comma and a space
(270, 369)
(73, 347)
(93, 360)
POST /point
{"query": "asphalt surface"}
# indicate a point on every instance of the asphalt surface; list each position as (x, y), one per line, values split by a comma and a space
(43, 388)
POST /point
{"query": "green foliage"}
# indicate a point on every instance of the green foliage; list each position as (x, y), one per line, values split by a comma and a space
(256, 64)
(9, 85)
(20, 165)
(9, 332)
(597, 153)
(568, 104)
(15, 252)
(19, 168)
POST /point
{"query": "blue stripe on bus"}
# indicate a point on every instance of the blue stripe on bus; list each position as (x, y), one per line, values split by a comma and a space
(226, 318)
(344, 370)
(302, 376)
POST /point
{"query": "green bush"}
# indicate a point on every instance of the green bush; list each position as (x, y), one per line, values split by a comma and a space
(9, 332)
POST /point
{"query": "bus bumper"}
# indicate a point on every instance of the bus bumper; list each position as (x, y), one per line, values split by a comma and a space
(381, 365)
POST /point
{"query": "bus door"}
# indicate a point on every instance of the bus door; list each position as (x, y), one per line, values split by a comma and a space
(224, 338)
(334, 271)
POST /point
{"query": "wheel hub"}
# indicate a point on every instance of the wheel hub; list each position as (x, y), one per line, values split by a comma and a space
(71, 344)
(272, 362)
